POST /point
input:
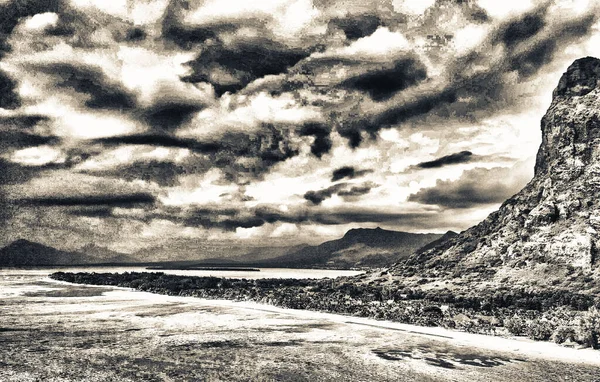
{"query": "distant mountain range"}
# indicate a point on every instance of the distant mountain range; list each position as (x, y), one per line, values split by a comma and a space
(358, 248)
(25, 253)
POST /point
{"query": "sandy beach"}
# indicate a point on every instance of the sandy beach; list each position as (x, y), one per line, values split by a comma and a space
(55, 331)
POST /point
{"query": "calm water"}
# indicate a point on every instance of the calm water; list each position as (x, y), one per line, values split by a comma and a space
(264, 273)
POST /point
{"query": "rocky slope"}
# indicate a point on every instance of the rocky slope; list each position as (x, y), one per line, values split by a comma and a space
(548, 232)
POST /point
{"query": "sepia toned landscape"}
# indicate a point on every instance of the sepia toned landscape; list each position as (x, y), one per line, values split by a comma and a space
(299, 190)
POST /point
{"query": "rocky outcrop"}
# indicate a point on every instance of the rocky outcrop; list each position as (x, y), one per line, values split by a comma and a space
(555, 220)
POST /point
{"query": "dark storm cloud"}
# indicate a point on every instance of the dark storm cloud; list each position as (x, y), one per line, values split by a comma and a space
(14, 173)
(135, 34)
(17, 132)
(21, 121)
(124, 201)
(230, 68)
(229, 224)
(92, 212)
(186, 36)
(9, 98)
(170, 114)
(529, 41)
(336, 216)
(322, 141)
(348, 172)
(103, 92)
(461, 157)
(162, 173)
(344, 190)
(357, 26)
(384, 83)
(475, 187)
(229, 219)
(265, 148)
(20, 140)
(361, 190)
(522, 29)
(316, 197)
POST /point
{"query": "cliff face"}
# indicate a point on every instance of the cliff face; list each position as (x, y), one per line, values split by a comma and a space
(555, 220)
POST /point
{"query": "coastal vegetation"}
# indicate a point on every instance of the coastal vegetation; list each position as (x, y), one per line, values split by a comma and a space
(558, 315)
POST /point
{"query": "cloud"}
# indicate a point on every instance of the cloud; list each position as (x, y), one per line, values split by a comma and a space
(461, 157)
(269, 113)
(322, 141)
(475, 187)
(229, 68)
(161, 140)
(345, 190)
(11, 13)
(103, 92)
(9, 98)
(478, 82)
(169, 115)
(92, 212)
(239, 155)
(363, 189)
(229, 219)
(123, 201)
(12, 173)
(21, 139)
(356, 26)
(316, 197)
(384, 83)
(163, 173)
(136, 34)
(348, 172)
(21, 121)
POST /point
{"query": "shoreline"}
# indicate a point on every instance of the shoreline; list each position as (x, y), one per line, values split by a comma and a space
(513, 345)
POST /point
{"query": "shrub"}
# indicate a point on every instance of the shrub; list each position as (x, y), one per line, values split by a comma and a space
(540, 330)
(516, 326)
(588, 330)
(563, 334)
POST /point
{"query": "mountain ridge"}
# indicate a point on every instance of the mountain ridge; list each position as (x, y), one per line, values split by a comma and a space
(359, 247)
(23, 252)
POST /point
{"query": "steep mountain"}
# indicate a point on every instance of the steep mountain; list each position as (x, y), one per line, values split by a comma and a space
(358, 248)
(24, 253)
(548, 233)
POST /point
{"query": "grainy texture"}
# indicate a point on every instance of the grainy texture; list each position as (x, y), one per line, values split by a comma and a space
(60, 332)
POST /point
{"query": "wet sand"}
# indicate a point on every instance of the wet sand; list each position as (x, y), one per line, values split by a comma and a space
(53, 331)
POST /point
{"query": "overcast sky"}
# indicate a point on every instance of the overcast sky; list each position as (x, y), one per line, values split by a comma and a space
(134, 123)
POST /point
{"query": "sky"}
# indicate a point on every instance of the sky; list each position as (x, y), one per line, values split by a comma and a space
(132, 124)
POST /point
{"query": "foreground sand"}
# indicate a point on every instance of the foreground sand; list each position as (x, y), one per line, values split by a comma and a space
(53, 331)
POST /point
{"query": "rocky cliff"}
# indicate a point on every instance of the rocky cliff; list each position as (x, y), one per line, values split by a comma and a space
(550, 229)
